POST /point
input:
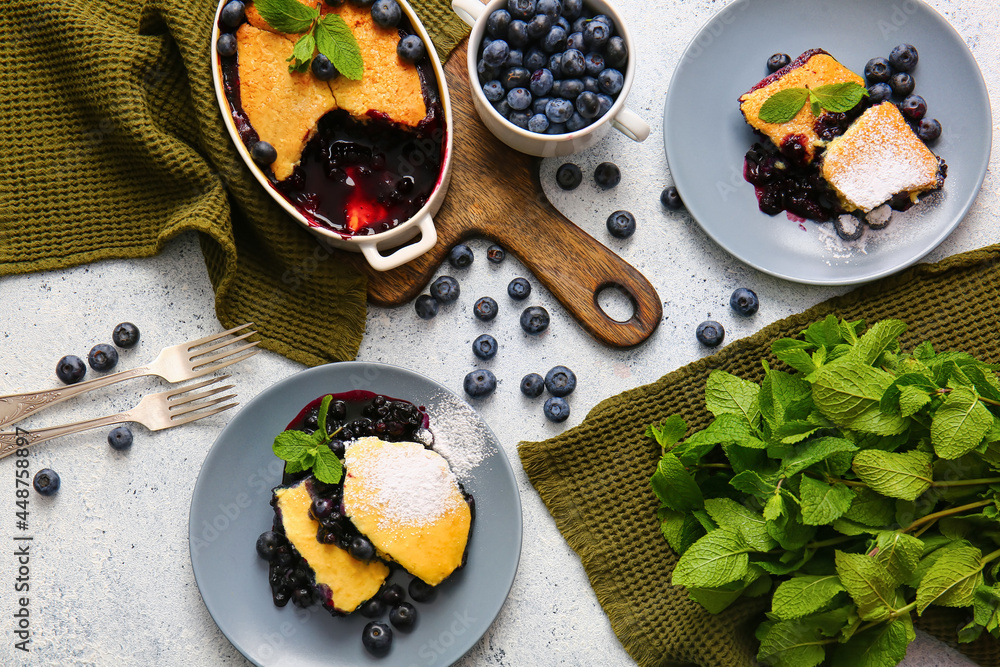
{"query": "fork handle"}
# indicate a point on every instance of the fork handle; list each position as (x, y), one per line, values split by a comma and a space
(21, 438)
(16, 407)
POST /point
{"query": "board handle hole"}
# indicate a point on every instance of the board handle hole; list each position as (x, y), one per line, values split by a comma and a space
(616, 303)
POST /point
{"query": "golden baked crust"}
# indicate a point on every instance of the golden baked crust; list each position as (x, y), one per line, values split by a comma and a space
(878, 157)
(810, 70)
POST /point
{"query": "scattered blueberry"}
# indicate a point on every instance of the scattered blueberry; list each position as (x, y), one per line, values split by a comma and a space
(120, 438)
(102, 357)
(607, 175)
(226, 45)
(46, 481)
(460, 256)
(878, 93)
(903, 58)
(403, 616)
(421, 591)
(485, 309)
(534, 320)
(621, 224)
(263, 153)
(362, 549)
(518, 289)
(70, 369)
(777, 61)
(556, 409)
(322, 508)
(411, 48)
(496, 254)
(392, 595)
(744, 301)
(560, 381)
(373, 608)
(479, 383)
(387, 13)
(532, 385)
(569, 176)
(323, 68)
(233, 13)
(710, 333)
(929, 130)
(671, 198)
(913, 107)
(125, 335)
(497, 23)
(877, 71)
(267, 543)
(901, 83)
(426, 307)
(485, 347)
(377, 638)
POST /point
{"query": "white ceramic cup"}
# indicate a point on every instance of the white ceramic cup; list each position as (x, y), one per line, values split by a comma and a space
(475, 13)
(377, 248)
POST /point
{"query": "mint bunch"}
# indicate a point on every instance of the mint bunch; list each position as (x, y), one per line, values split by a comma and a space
(858, 486)
(328, 34)
(836, 97)
(304, 451)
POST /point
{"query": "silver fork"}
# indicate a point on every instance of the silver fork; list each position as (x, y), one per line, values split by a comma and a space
(176, 363)
(155, 411)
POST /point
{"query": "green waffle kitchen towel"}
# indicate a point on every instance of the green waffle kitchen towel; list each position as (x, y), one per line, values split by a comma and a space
(114, 144)
(594, 478)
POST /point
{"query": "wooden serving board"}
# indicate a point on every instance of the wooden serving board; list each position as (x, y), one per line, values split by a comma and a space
(495, 193)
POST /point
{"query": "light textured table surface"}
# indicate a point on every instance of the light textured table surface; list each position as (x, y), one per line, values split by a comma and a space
(111, 579)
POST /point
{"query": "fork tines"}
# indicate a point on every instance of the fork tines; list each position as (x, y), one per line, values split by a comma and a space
(226, 357)
(183, 397)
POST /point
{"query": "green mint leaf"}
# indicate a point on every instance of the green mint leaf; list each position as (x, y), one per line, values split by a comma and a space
(812, 452)
(783, 105)
(823, 503)
(869, 584)
(883, 335)
(903, 476)
(705, 520)
(801, 596)
(797, 643)
(288, 16)
(852, 528)
(899, 552)
(825, 333)
(814, 106)
(912, 399)
(336, 41)
(728, 394)
(784, 397)
(294, 466)
(727, 427)
(795, 354)
(959, 424)
(985, 382)
(680, 530)
(935, 548)
(788, 529)
(793, 432)
(324, 409)
(751, 526)
(750, 482)
(986, 608)
(953, 580)
(849, 393)
(881, 646)
(292, 445)
(308, 459)
(674, 485)
(839, 97)
(715, 600)
(302, 53)
(327, 468)
(669, 432)
(715, 560)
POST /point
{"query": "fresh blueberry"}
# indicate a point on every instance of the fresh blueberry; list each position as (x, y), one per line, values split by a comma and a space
(596, 35)
(411, 48)
(102, 357)
(607, 175)
(226, 45)
(777, 61)
(576, 122)
(267, 542)
(497, 23)
(556, 409)
(362, 549)
(519, 99)
(46, 481)
(878, 93)
(496, 53)
(535, 60)
(559, 110)
(302, 597)
(494, 91)
(125, 335)
(387, 13)
(503, 108)
(595, 63)
(579, 23)
(514, 59)
(904, 58)
(744, 301)
(611, 81)
(616, 52)
(233, 13)
(710, 333)
(929, 130)
(485, 347)
(539, 25)
(445, 289)
(534, 320)
(377, 638)
(572, 9)
(671, 198)
(323, 69)
(460, 256)
(403, 616)
(479, 383)
(517, 34)
(606, 103)
(322, 508)
(120, 438)
(556, 128)
(425, 306)
(519, 289)
(520, 119)
(532, 385)
(515, 77)
(569, 89)
(588, 105)
(541, 82)
(569, 176)
(70, 369)
(538, 123)
(551, 8)
(877, 71)
(621, 224)
(496, 254)
(913, 107)
(901, 83)
(392, 595)
(421, 591)
(521, 9)
(573, 63)
(486, 73)
(263, 153)
(485, 309)
(560, 381)
(590, 84)
(575, 41)
(606, 20)
(373, 608)
(555, 64)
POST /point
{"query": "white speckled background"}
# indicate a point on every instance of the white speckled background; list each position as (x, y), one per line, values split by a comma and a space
(111, 578)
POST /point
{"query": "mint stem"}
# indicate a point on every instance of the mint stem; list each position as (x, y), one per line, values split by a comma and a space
(943, 513)
(969, 482)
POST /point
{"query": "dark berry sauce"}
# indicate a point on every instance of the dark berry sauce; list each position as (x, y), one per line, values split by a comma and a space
(782, 185)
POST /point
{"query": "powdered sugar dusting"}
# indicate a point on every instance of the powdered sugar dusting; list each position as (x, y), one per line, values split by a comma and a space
(459, 434)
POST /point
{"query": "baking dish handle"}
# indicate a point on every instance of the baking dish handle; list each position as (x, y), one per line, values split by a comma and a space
(380, 262)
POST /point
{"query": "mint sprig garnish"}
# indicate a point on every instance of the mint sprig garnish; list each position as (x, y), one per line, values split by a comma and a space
(835, 97)
(328, 34)
(303, 451)
(857, 484)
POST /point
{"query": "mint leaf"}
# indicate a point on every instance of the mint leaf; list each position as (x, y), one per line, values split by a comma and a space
(881, 646)
(715, 560)
(669, 432)
(336, 41)
(292, 445)
(728, 394)
(728, 513)
(839, 97)
(327, 468)
(825, 333)
(849, 394)
(801, 596)
(814, 451)
(788, 529)
(680, 530)
(797, 643)
(794, 353)
(674, 486)
(288, 16)
(727, 427)
(912, 399)
(868, 583)
(870, 508)
(899, 552)
(959, 424)
(715, 600)
(783, 105)
(750, 482)
(823, 503)
(302, 53)
(781, 394)
(882, 335)
(321, 414)
(953, 580)
(904, 476)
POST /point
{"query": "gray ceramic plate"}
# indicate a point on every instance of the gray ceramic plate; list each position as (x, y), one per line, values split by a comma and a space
(230, 509)
(706, 137)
